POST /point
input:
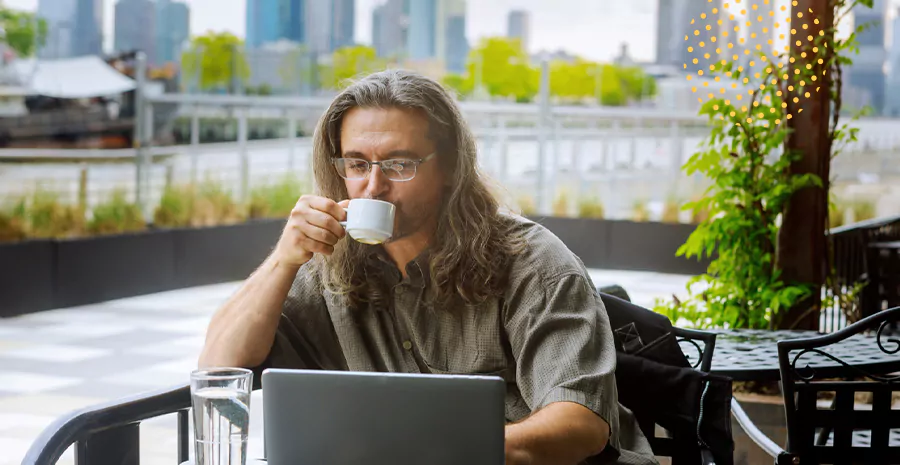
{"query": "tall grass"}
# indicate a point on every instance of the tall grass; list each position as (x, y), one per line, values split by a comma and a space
(276, 200)
(116, 215)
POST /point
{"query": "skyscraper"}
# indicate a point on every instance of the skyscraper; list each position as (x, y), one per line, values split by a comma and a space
(173, 21)
(892, 105)
(318, 21)
(343, 23)
(60, 18)
(87, 38)
(456, 42)
(518, 26)
(866, 76)
(423, 33)
(674, 23)
(75, 27)
(274, 20)
(135, 28)
(389, 28)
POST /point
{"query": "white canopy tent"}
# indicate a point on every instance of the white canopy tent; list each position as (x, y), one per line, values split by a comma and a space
(71, 78)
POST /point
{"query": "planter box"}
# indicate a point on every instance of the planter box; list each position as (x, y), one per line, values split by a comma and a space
(223, 253)
(626, 245)
(587, 238)
(26, 277)
(102, 268)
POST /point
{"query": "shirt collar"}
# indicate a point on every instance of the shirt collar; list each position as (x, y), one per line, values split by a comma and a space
(417, 270)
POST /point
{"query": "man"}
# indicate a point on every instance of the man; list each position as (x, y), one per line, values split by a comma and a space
(459, 288)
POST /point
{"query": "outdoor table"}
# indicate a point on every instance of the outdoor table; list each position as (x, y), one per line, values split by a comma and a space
(752, 354)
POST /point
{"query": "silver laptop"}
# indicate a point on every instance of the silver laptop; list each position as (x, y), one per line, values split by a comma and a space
(347, 418)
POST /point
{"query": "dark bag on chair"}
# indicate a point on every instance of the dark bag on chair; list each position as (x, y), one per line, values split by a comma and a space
(656, 382)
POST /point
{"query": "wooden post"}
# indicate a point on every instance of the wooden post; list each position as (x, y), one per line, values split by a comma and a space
(802, 245)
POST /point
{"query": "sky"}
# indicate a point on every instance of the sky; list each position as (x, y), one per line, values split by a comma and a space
(593, 29)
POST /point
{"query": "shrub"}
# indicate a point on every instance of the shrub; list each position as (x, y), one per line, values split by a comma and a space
(590, 207)
(214, 205)
(527, 205)
(175, 207)
(12, 222)
(671, 212)
(50, 218)
(116, 215)
(276, 200)
(640, 212)
(561, 204)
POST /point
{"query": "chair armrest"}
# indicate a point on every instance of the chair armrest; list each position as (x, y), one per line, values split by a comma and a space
(80, 425)
(763, 441)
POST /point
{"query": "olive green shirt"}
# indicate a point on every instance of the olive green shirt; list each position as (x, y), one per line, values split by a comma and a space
(548, 336)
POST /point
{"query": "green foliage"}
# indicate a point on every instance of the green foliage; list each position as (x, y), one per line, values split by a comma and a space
(527, 205)
(561, 204)
(590, 207)
(49, 217)
(671, 212)
(348, 63)
(12, 222)
(217, 60)
(21, 31)
(175, 207)
(746, 160)
(507, 72)
(116, 215)
(276, 200)
(640, 212)
(208, 204)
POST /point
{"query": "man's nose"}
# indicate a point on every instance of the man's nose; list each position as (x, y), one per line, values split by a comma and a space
(377, 183)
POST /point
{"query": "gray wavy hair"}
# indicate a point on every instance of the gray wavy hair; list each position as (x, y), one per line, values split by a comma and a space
(474, 243)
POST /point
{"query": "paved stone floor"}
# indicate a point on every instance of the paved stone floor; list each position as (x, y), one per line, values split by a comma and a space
(57, 361)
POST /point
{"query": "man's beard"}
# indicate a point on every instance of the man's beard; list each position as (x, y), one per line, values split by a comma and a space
(409, 222)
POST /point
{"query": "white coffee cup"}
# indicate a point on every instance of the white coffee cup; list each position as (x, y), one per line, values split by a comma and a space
(370, 221)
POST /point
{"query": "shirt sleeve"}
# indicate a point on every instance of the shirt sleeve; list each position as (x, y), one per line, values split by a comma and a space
(305, 338)
(562, 343)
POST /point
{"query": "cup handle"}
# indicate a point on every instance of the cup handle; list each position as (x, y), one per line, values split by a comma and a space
(344, 223)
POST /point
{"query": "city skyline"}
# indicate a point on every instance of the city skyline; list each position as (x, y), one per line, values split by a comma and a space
(591, 31)
(555, 25)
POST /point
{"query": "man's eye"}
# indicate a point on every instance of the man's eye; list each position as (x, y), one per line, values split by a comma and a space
(400, 165)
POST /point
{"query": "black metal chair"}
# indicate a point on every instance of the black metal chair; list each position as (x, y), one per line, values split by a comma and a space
(837, 433)
(109, 433)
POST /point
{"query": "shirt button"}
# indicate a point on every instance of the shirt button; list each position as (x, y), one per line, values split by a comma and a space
(407, 345)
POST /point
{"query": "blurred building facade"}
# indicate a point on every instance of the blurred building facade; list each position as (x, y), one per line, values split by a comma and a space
(274, 20)
(674, 23)
(436, 34)
(518, 26)
(390, 24)
(173, 29)
(135, 27)
(892, 91)
(343, 23)
(75, 27)
(866, 76)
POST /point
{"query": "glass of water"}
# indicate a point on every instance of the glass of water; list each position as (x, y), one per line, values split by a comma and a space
(221, 402)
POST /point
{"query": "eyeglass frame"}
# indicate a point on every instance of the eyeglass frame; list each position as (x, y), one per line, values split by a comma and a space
(380, 164)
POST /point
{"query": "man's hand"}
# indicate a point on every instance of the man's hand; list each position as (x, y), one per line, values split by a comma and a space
(313, 227)
(562, 433)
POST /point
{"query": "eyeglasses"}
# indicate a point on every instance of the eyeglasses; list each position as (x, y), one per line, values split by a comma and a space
(401, 169)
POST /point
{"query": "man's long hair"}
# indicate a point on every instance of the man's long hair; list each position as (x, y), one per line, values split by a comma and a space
(473, 242)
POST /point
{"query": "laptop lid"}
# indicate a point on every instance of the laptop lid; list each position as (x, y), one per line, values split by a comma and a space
(344, 418)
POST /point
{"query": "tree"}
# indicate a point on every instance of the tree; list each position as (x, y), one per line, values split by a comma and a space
(348, 63)
(506, 70)
(19, 31)
(215, 61)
